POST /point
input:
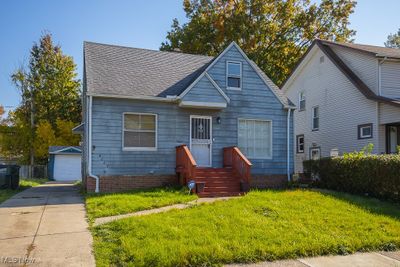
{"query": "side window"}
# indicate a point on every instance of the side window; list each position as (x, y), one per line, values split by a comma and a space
(365, 131)
(302, 101)
(300, 143)
(315, 118)
(233, 75)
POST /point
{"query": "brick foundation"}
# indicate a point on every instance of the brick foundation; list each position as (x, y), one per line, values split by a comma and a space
(118, 183)
(268, 181)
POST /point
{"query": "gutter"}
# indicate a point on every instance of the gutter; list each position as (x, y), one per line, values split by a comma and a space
(90, 174)
(149, 98)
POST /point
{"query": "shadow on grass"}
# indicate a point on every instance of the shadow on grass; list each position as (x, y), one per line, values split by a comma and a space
(169, 188)
(370, 204)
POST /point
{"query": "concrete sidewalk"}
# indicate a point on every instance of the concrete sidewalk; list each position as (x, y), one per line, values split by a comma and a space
(47, 225)
(373, 259)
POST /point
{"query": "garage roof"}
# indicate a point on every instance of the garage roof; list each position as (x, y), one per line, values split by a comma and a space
(65, 150)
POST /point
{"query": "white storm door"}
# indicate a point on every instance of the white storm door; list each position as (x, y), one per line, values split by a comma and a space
(201, 139)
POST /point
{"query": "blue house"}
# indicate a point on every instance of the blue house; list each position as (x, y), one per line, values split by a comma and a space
(153, 118)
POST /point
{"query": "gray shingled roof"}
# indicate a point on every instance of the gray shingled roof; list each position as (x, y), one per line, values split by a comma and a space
(127, 71)
(130, 71)
(378, 51)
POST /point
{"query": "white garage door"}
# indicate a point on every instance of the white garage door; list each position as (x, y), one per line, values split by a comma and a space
(67, 167)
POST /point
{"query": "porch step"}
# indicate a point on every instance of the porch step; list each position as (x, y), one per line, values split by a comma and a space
(220, 194)
(219, 182)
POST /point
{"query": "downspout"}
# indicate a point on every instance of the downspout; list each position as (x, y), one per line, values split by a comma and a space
(90, 146)
(380, 63)
(288, 145)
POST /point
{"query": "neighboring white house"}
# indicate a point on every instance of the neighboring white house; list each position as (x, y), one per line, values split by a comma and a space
(347, 96)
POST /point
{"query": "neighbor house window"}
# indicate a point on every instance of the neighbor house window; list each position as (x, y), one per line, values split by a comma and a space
(302, 101)
(233, 75)
(315, 153)
(300, 143)
(139, 131)
(315, 118)
(255, 138)
(365, 131)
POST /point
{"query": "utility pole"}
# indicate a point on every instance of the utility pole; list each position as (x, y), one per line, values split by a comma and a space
(32, 158)
(31, 152)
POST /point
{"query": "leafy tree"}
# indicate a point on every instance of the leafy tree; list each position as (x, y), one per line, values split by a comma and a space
(393, 40)
(15, 137)
(50, 92)
(50, 83)
(44, 137)
(273, 33)
(1, 111)
(65, 137)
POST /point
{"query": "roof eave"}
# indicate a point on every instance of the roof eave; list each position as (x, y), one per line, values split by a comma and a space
(135, 97)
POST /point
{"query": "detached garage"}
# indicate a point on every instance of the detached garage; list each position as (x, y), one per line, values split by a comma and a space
(65, 163)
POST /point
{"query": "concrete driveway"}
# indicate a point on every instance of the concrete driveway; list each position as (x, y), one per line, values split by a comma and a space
(45, 226)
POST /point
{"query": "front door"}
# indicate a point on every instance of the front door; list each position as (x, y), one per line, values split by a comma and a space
(201, 139)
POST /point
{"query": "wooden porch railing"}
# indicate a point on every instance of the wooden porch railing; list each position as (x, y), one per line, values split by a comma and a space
(234, 158)
(185, 164)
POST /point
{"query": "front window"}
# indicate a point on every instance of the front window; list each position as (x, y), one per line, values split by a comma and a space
(302, 101)
(139, 131)
(365, 131)
(234, 75)
(255, 138)
(300, 143)
(315, 118)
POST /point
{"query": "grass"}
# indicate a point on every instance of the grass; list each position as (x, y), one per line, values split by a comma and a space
(23, 184)
(102, 205)
(263, 225)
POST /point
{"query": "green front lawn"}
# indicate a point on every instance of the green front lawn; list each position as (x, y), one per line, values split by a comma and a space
(102, 205)
(23, 184)
(263, 225)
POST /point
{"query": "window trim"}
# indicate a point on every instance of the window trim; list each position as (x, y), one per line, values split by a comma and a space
(139, 148)
(234, 76)
(302, 109)
(359, 130)
(312, 119)
(298, 151)
(314, 148)
(271, 137)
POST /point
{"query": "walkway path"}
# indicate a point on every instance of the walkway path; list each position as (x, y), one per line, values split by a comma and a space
(45, 224)
(104, 220)
(372, 259)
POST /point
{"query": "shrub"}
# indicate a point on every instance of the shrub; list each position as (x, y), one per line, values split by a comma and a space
(375, 175)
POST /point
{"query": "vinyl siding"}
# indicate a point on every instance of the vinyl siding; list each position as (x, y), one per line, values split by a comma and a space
(342, 108)
(254, 101)
(365, 66)
(389, 114)
(390, 79)
(204, 91)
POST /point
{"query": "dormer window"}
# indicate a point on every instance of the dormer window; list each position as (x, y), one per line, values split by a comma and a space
(233, 75)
